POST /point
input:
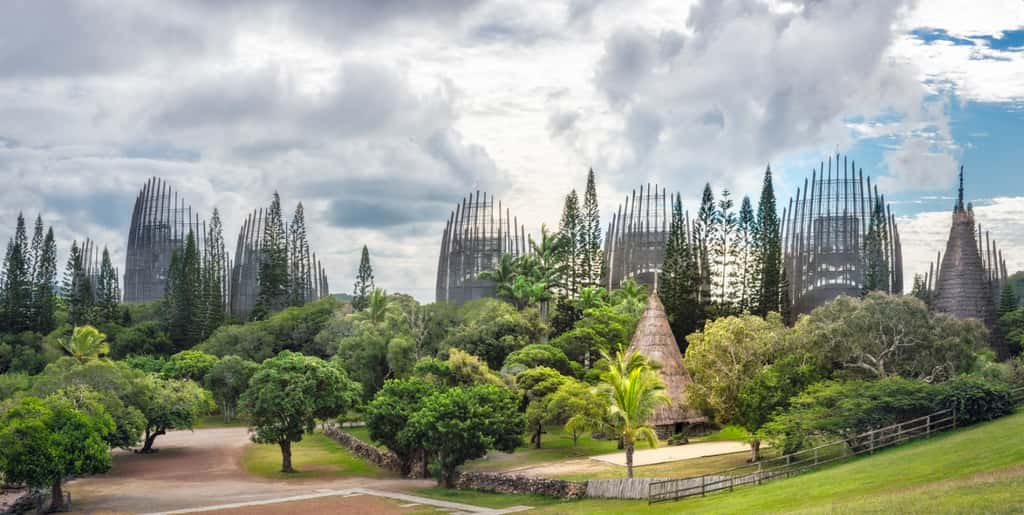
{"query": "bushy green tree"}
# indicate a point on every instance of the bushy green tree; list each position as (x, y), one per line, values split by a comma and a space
(492, 329)
(44, 442)
(167, 404)
(463, 423)
(273, 272)
(536, 385)
(387, 418)
(227, 380)
(576, 406)
(145, 338)
(189, 364)
(538, 355)
(288, 393)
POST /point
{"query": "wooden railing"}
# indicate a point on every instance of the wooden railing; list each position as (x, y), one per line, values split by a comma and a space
(802, 461)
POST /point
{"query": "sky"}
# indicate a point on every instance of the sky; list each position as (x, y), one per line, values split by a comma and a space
(380, 115)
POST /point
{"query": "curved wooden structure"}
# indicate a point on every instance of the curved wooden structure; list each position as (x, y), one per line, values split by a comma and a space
(475, 237)
(824, 231)
(634, 246)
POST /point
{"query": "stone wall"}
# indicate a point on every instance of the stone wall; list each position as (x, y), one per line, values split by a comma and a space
(23, 502)
(383, 459)
(514, 484)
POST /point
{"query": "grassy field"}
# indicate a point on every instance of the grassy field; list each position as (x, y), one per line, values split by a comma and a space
(215, 421)
(315, 456)
(979, 469)
(361, 433)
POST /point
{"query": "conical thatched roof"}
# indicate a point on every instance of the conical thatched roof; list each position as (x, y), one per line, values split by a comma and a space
(653, 339)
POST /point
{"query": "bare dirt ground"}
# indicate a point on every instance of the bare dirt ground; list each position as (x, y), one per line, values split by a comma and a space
(674, 453)
(196, 469)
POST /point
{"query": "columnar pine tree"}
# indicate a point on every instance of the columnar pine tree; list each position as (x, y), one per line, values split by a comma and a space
(77, 288)
(591, 258)
(920, 289)
(107, 291)
(876, 266)
(1007, 299)
(273, 272)
(679, 283)
(213, 311)
(298, 266)
(769, 250)
(44, 285)
(747, 261)
(723, 254)
(184, 295)
(569, 231)
(364, 282)
(703, 229)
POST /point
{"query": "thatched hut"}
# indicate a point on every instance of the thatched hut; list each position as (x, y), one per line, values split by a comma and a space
(653, 338)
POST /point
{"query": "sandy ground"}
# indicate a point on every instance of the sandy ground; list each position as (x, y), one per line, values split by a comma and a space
(673, 453)
(196, 469)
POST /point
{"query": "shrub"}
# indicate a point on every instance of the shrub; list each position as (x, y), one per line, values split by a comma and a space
(974, 399)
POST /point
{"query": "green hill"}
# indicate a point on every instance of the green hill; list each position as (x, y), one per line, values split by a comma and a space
(979, 469)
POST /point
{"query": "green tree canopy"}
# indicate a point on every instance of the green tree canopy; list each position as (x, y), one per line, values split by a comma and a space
(227, 380)
(288, 393)
(387, 417)
(189, 364)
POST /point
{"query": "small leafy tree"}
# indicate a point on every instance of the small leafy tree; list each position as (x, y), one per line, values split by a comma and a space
(227, 380)
(167, 404)
(463, 423)
(536, 384)
(189, 364)
(576, 406)
(44, 442)
(288, 393)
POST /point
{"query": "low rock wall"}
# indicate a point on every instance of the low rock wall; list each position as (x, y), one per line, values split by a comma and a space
(383, 459)
(23, 502)
(515, 484)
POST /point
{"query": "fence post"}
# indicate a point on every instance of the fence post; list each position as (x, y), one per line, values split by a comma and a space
(702, 485)
(759, 472)
(815, 456)
(928, 426)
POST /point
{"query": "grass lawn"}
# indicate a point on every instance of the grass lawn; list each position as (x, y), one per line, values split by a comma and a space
(555, 446)
(979, 469)
(362, 433)
(315, 456)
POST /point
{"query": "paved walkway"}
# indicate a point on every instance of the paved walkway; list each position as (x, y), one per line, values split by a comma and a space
(674, 453)
(454, 507)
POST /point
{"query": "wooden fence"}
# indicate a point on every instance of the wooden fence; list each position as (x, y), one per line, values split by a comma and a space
(802, 461)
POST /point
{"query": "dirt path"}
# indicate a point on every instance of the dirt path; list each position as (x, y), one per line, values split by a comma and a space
(196, 469)
(674, 453)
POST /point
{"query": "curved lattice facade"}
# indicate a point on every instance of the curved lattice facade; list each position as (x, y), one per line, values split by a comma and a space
(475, 237)
(634, 246)
(824, 233)
(160, 222)
(244, 283)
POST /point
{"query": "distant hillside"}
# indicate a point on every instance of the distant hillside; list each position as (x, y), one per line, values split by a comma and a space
(344, 297)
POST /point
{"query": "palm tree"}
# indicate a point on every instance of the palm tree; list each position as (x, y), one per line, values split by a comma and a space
(592, 297)
(526, 292)
(379, 308)
(503, 276)
(86, 343)
(628, 291)
(633, 391)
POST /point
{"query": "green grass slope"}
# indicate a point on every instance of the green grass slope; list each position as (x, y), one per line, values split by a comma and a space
(979, 469)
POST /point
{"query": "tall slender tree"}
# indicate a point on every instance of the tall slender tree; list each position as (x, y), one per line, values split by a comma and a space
(1007, 299)
(679, 283)
(769, 249)
(591, 257)
(703, 229)
(214, 277)
(723, 254)
(747, 261)
(298, 254)
(876, 266)
(107, 291)
(364, 282)
(44, 285)
(569, 229)
(184, 295)
(273, 272)
(17, 299)
(77, 288)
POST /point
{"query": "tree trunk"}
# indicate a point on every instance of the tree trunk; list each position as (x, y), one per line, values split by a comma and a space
(629, 461)
(575, 437)
(147, 447)
(286, 456)
(535, 439)
(755, 451)
(57, 497)
(622, 444)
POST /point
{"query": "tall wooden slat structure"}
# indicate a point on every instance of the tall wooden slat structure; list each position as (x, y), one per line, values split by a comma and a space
(160, 223)
(824, 233)
(634, 246)
(475, 237)
(965, 281)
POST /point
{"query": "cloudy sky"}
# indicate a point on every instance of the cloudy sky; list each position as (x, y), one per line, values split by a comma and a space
(379, 115)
